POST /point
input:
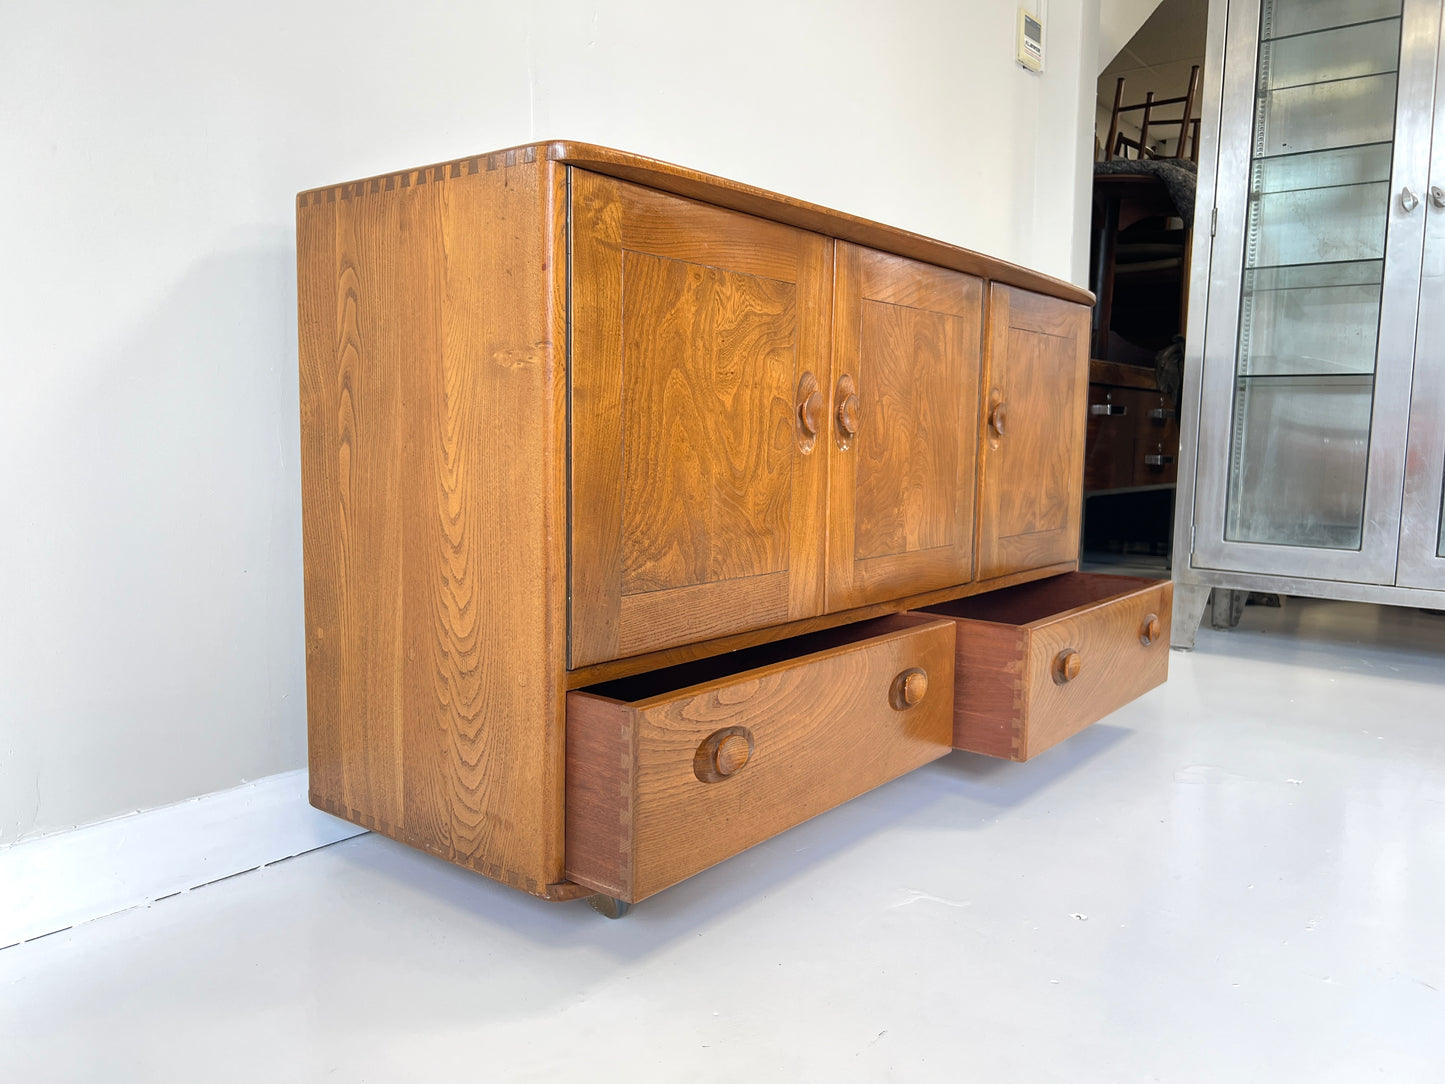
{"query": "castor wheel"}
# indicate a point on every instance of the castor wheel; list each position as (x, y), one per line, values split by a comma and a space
(608, 907)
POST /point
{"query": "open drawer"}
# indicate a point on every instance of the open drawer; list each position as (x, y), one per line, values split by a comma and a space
(672, 771)
(1039, 662)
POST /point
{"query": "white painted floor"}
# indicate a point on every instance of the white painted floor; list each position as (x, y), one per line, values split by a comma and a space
(1239, 877)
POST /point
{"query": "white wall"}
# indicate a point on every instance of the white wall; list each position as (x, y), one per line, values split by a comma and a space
(150, 558)
(1119, 20)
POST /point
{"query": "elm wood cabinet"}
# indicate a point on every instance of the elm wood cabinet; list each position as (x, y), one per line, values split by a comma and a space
(620, 484)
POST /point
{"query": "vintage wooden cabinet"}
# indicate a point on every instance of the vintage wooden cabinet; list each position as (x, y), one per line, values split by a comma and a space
(642, 510)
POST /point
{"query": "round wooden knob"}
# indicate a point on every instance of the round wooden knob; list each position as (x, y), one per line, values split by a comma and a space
(810, 413)
(909, 688)
(723, 754)
(848, 415)
(1150, 629)
(914, 686)
(998, 418)
(731, 755)
(1067, 665)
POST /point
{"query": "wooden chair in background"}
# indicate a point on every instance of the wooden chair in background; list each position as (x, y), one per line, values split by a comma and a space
(1119, 144)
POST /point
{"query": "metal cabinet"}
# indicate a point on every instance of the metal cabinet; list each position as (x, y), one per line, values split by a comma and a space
(1313, 457)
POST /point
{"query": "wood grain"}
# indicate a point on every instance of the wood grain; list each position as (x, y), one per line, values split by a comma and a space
(708, 442)
(721, 192)
(720, 645)
(1031, 479)
(901, 493)
(433, 481)
(1009, 702)
(640, 819)
(693, 327)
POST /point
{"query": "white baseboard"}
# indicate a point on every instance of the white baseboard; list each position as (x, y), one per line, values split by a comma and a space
(60, 880)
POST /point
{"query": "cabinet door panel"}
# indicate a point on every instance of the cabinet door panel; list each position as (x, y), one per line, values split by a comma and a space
(906, 343)
(695, 511)
(1422, 521)
(1032, 441)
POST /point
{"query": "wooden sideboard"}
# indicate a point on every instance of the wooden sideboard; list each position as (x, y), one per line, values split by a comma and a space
(647, 514)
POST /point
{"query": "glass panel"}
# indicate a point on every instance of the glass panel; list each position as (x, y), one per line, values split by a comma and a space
(1329, 55)
(1441, 551)
(1302, 16)
(1315, 169)
(1319, 225)
(1301, 446)
(1319, 115)
(1312, 320)
(1309, 322)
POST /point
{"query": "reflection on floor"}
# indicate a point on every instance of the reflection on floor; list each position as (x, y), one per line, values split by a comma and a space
(1240, 876)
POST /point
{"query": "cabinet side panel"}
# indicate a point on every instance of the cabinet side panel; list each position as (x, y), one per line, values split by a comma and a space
(323, 310)
(432, 384)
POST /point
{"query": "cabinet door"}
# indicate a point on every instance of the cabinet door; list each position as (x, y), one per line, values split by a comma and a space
(1031, 472)
(903, 427)
(1422, 526)
(696, 494)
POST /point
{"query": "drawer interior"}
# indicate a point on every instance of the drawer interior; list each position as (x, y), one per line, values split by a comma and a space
(656, 683)
(1041, 600)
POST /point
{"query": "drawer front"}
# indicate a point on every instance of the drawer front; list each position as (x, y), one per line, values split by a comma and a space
(1040, 662)
(1115, 664)
(1132, 439)
(662, 787)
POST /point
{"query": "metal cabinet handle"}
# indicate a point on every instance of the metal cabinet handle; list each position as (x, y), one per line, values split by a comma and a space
(1160, 414)
(1108, 409)
(1158, 460)
(1408, 200)
(1437, 195)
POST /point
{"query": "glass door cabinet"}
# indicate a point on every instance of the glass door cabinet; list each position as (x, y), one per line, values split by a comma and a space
(1314, 403)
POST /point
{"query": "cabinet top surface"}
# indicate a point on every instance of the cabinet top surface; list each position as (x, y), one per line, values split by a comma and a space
(723, 193)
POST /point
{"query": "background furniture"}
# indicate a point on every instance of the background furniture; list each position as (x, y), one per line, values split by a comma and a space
(1118, 144)
(1140, 259)
(642, 509)
(1314, 413)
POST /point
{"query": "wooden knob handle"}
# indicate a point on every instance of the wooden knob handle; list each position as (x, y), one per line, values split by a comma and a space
(909, 688)
(848, 415)
(1067, 664)
(732, 754)
(723, 754)
(1150, 629)
(998, 418)
(810, 413)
